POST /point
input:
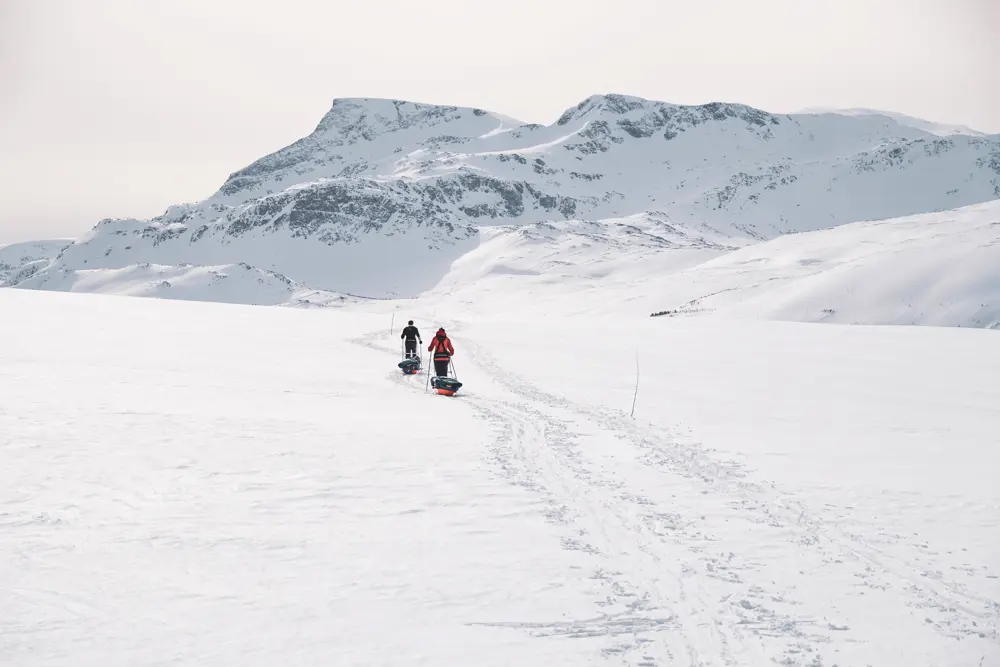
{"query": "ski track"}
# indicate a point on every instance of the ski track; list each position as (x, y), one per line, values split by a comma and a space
(671, 592)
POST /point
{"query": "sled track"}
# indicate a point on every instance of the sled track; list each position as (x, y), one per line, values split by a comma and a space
(668, 591)
(649, 612)
(673, 598)
(751, 603)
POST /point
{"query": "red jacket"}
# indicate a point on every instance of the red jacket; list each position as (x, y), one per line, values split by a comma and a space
(441, 345)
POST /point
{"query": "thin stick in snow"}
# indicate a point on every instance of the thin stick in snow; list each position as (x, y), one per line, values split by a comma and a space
(636, 395)
(392, 325)
(428, 384)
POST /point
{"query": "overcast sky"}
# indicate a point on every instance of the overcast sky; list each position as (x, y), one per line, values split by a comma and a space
(115, 108)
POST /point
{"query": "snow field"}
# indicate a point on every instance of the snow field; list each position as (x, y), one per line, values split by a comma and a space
(845, 487)
(200, 484)
(209, 484)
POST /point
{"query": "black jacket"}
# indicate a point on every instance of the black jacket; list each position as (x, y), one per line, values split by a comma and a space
(410, 333)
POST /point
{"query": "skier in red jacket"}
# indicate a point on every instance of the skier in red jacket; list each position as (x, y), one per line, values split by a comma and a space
(443, 350)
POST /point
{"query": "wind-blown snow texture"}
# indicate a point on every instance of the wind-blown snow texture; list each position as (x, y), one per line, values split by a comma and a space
(207, 484)
(384, 195)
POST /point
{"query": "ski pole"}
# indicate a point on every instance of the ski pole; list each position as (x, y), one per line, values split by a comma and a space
(427, 386)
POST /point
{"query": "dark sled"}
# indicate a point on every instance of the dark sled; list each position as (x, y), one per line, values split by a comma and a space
(409, 366)
(445, 386)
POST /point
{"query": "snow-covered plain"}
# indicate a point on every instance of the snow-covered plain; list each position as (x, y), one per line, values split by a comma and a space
(208, 484)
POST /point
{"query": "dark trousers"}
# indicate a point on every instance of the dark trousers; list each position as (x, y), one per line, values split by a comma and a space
(411, 348)
(441, 367)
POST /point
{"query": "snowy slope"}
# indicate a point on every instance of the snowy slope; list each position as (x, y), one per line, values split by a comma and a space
(539, 267)
(940, 129)
(206, 484)
(931, 269)
(359, 256)
(18, 261)
(384, 195)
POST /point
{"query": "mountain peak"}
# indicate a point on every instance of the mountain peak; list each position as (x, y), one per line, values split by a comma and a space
(386, 182)
(367, 117)
(613, 103)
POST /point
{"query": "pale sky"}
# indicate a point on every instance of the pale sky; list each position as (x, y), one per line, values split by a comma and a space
(119, 108)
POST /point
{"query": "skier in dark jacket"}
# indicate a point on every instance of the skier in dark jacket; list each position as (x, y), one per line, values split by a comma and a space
(411, 335)
(443, 350)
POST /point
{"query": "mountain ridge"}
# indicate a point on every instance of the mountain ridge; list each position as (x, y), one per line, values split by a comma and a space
(384, 195)
(939, 129)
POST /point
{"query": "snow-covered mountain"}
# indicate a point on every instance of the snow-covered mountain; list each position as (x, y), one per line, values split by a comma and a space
(940, 129)
(385, 195)
(19, 261)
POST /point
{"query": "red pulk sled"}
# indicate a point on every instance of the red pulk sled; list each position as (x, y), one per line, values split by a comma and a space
(445, 385)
